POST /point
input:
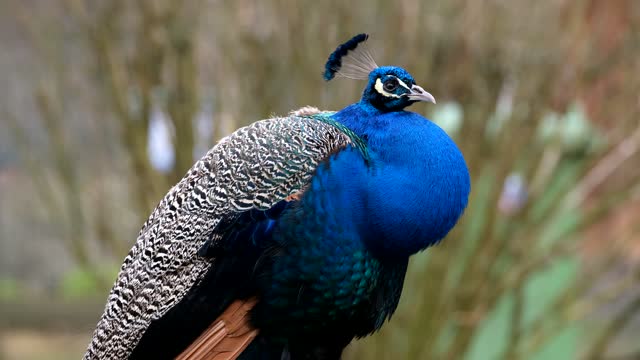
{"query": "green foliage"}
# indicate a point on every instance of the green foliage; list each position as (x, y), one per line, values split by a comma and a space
(10, 289)
(87, 283)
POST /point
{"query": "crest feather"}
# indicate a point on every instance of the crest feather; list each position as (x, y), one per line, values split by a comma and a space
(351, 59)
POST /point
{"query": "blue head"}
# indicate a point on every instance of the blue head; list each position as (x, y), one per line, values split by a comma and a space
(389, 88)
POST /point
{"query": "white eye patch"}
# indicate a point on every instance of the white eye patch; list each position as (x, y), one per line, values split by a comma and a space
(380, 88)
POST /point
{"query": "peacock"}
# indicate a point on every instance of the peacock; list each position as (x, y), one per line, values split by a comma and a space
(292, 235)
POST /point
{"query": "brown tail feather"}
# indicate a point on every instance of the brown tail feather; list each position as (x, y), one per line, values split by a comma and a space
(227, 336)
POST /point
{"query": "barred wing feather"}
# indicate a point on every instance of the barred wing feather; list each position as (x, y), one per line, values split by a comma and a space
(255, 167)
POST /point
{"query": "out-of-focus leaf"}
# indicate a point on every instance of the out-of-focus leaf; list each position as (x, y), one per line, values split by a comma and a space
(449, 117)
(81, 283)
(10, 288)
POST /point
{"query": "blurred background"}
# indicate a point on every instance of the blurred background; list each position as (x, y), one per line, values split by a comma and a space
(106, 104)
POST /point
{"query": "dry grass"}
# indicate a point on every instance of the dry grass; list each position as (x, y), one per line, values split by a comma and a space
(34, 345)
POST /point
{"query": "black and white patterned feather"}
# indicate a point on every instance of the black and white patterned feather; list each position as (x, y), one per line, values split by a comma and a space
(255, 167)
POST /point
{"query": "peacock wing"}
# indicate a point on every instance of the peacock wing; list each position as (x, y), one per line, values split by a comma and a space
(254, 168)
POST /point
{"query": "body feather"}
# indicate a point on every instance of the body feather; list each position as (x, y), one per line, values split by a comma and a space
(314, 216)
(254, 168)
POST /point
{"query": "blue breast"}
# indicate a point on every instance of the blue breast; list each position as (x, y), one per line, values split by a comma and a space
(343, 248)
(418, 184)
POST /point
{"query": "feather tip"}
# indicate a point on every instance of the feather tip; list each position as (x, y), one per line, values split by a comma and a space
(350, 60)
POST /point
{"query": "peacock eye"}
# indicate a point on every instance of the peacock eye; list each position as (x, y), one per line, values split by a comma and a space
(391, 84)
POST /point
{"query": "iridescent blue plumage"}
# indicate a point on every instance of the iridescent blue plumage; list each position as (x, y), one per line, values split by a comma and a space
(317, 224)
(344, 247)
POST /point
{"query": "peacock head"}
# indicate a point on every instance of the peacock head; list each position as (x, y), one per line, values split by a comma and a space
(389, 88)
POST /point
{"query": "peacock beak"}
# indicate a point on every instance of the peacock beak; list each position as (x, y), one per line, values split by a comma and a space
(419, 94)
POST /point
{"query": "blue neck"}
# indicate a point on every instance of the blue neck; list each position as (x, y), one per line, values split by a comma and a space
(419, 178)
